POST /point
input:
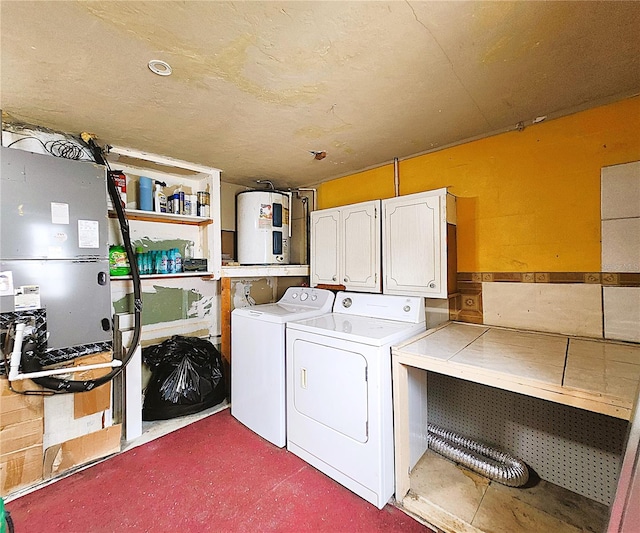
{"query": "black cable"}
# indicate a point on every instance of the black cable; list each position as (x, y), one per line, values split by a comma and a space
(9, 521)
(63, 148)
(30, 362)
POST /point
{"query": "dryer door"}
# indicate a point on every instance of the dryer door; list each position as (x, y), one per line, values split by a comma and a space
(330, 387)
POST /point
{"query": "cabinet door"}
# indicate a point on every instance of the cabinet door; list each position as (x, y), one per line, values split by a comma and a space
(415, 246)
(361, 247)
(325, 242)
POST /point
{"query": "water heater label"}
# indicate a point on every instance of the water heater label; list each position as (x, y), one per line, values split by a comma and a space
(265, 216)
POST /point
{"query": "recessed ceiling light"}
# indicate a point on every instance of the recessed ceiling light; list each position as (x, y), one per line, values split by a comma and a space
(161, 68)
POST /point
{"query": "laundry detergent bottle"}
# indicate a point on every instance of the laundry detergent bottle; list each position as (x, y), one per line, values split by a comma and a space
(118, 261)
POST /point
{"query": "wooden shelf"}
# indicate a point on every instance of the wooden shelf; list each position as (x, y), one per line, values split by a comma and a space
(167, 276)
(245, 271)
(166, 218)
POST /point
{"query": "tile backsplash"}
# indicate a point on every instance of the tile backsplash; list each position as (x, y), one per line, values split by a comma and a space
(620, 213)
(572, 309)
(622, 313)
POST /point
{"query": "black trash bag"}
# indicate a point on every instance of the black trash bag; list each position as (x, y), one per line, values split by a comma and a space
(187, 376)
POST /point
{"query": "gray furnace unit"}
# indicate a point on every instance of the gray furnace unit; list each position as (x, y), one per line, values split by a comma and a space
(54, 257)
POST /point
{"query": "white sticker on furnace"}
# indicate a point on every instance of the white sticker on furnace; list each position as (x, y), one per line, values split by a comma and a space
(27, 297)
(88, 234)
(6, 283)
(59, 213)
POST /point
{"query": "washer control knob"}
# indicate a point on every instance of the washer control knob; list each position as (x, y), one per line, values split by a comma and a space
(346, 303)
(304, 296)
(314, 297)
(294, 295)
(406, 308)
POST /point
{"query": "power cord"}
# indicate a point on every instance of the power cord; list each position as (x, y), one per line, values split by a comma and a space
(63, 148)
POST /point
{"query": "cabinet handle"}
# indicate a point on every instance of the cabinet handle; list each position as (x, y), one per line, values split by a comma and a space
(432, 285)
(346, 280)
(333, 278)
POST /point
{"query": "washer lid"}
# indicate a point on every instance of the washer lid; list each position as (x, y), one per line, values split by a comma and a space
(279, 313)
(297, 303)
(365, 330)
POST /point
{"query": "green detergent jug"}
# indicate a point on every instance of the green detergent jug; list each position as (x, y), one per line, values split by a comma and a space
(6, 525)
(118, 261)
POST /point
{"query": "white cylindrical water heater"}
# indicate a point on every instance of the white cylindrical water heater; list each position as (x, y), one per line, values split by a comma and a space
(262, 226)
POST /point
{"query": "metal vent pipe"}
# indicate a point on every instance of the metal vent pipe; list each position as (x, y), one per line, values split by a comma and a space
(487, 461)
(396, 176)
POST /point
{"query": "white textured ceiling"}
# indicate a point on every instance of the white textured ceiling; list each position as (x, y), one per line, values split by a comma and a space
(257, 85)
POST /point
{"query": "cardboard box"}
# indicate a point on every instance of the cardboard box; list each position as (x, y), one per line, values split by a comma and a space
(20, 469)
(21, 435)
(14, 407)
(21, 431)
(81, 450)
(96, 400)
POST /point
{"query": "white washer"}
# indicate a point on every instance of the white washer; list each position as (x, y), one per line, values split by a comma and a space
(339, 404)
(258, 358)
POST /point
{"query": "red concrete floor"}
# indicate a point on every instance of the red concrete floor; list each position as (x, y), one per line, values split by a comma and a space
(213, 475)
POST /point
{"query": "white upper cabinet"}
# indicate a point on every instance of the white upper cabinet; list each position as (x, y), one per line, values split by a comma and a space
(345, 247)
(416, 252)
(325, 241)
(361, 246)
(405, 245)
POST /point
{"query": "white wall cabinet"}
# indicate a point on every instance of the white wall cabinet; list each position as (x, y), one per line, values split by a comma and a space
(409, 249)
(418, 249)
(345, 247)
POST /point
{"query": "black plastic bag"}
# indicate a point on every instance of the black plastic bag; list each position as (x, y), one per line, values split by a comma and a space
(187, 376)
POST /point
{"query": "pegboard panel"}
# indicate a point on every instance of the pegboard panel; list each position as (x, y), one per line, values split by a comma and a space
(573, 448)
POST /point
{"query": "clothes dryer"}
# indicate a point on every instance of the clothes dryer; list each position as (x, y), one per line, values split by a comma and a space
(339, 403)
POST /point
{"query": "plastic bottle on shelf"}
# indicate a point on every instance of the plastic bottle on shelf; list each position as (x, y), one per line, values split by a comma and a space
(140, 259)
(143, 265)
(171, 264)
(177, 260)
(145, 199)
(179, 201)
(164, 262)
(203, 204)
(159, 198)
(157, 262)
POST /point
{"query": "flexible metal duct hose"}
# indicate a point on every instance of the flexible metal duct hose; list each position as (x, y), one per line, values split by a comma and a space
(485, 460)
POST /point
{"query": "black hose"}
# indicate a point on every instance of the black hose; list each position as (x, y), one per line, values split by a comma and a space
(30, 362)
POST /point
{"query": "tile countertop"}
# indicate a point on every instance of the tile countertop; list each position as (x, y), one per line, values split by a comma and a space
(596, 375)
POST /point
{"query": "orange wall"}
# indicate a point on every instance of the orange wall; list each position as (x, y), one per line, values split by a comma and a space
(528, 201)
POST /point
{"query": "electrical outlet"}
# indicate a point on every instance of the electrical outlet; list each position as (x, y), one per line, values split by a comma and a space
(247, 290)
